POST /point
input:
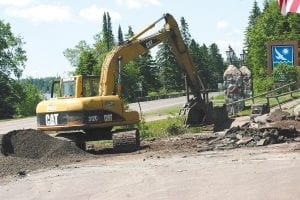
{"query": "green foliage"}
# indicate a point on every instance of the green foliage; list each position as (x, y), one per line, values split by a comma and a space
(86, 63)
(31, 98)
(130, 77)
(43, 84)
(184, 29)
(12, 62)
(11, 94)
(263, 84)
(171, 75)
(264, 27)
(120, 35)
(149, 73)
(174, 129)
(158, 129)
(108, 37)
(285, 73)
(209, 63)
(12, 56)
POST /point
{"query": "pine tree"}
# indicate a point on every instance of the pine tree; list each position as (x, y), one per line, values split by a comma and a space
(254, 14)
(120, 35)
(216, 65)
(171, 75)
(184, 28)
(129, 33)
(111, 40)
(105, 31)
(107, 34)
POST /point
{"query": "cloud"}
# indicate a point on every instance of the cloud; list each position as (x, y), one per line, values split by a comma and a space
(222, 24)
(15, 3)
(42, 13)
(135, 4)
(95, 14)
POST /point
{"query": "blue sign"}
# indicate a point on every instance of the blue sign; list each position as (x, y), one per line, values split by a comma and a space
(282, 54)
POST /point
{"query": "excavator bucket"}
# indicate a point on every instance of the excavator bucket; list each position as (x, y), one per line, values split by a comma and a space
(200, 113)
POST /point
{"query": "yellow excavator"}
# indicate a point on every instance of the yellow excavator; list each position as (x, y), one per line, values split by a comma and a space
(95, 106)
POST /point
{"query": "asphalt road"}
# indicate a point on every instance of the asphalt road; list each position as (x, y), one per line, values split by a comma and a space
(249, 173)
(6, 126)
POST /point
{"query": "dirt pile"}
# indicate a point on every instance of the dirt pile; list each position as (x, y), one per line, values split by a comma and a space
(26, 150)
(278, 115)
(35, 144)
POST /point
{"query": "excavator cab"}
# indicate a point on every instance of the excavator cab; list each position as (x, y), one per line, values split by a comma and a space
(75, 87)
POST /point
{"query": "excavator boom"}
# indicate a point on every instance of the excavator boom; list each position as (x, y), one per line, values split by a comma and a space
(198, 109)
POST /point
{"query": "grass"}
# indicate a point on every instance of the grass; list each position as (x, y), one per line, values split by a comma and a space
(172, 110)
(160, 128)
(273, 102)
(166, 127)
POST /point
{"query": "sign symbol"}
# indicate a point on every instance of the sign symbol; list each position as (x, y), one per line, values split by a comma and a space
(279, 56)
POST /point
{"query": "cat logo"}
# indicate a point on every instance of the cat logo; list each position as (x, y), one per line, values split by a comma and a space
(51, 119)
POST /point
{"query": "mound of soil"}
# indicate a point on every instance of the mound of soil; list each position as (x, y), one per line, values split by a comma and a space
(278, 115)
(36, 144)
(287, 124)
(27, 150)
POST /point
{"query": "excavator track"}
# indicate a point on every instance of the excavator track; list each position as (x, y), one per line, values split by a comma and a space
(126, 140)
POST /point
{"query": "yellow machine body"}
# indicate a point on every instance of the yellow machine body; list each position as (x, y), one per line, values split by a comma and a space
(74, 110)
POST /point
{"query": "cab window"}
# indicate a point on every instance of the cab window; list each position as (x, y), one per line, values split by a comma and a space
(90, 86)
(68, 88)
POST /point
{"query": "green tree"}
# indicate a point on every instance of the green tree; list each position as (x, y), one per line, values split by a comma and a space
(12, 62)
(120, 35)
(148, 72)
(73, 54)
(184, 29)
(87, 63)
(171, 75)
(31, 98)
(269, 26)
(216, 65)
(129, 33)
(108, 37)
(254, 14)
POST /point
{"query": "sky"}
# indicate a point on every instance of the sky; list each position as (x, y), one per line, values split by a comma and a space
(48, 27)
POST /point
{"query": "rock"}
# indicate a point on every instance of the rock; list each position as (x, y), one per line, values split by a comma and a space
(261, 142)
(244, 141)
(261, 119)
(239, 136)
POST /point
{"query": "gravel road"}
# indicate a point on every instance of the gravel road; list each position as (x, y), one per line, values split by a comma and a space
(250, 173)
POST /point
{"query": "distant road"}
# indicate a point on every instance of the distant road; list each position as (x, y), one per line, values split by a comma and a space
(146, 106)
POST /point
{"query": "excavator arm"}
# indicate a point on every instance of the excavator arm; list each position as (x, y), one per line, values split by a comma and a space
(136, 46)
(197, 109)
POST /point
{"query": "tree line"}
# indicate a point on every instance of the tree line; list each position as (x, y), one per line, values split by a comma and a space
(150, 74)
(159, 73)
